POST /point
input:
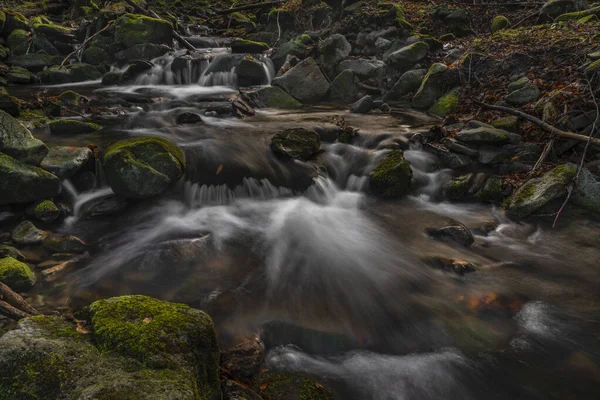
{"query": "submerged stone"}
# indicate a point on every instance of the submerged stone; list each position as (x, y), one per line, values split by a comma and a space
(64, 244)
(453, 232)
(297, 143)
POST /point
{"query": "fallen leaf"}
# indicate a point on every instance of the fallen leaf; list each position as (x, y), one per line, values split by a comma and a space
(219, 169)
(147, 320)
(264, 387)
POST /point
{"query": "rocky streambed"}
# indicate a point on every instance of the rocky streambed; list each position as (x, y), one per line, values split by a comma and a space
(243, 222)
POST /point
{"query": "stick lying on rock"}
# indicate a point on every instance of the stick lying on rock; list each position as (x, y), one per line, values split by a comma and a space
(536, 121)
(13, 305)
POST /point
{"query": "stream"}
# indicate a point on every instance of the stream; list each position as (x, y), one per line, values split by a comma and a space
(335, 281)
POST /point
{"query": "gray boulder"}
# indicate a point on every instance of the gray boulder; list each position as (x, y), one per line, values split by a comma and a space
(65, 161)
(408, 56)
(305, 82)
(24, 183)
(333, 50)
(298, 143)
(343, 87)
(16, 141)
(363, 105)
(525, 95)
(362, 68)
(409, 82)
(438, 81)
(588, 191)
(487, 135)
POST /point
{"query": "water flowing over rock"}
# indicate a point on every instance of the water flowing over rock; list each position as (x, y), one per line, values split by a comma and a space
(143, 167)
(305, 82)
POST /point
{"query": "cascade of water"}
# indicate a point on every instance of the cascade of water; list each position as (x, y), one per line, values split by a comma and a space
(202, 195)
(70, 189)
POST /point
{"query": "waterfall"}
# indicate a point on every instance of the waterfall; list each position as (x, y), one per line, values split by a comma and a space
(197, 195)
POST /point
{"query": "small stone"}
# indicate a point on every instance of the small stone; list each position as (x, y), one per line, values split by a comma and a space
(243, 360)
(64, 244)
(454, 232)
(525, 95)
(44, 211)
(298, 143)
(188, 118)
(362, 106)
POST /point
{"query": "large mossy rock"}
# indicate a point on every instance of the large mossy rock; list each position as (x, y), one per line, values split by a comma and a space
(554, 8)
(409, 82)
(392, 177)
(66, 161)
(44, 211)
(538, 192)
(295, 48)
(143, 167)
(333, 50)
(71, 73)
(487, 135)
(408, 56)
(72, 127)
(133, 347)
(18, 142)
(133, 29)
(16, 274)
(33, 62)
(438, 81)
(298, 143)
(9, 104)
(24, 183)
(447, 104)
(27, 233)
(17, 41)
(248, 46)
(274, 97)
(305, 82)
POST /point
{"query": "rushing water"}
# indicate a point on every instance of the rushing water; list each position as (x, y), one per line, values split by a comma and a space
(336, 280)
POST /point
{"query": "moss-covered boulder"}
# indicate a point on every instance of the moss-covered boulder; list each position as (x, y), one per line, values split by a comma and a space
(160, 335)
(492, 191)
(144, 51)
(72, 127)
(48, 358)
(15, 274)
(509, 124)
(447, 104)
(409, 82)
(17, 41)
(72, 99)
(54, 32)
(297, 386)
(487, 135)
(274, 97)
(343, 87)
(27, 233)
(143, 167)
(539, 192)
(19, 75)
(34, 62)
(305, 82)
(64, 244)
(9, 251)
(408, 56)
(438, 81)
(70, 73)
(499, 23)
(66, 161)
(248, 46)
(24, 183)
(298, 143)
(292, 48)
(453, 231)
(44, 211)
(12, 21)
(9, 104)
(133, 29)
(555, 8)
(95, 56)
(250, 72)
(392, 177)
(18, 142)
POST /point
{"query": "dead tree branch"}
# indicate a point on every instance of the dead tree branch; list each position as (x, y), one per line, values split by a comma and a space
(248, 7)
(14, 299)
(12, 312)
(78, 49)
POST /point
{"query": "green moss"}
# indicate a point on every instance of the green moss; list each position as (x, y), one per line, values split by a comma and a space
(56, 327)
(275, 97)
(17, 41)
(458, 188)
(305, 39)
(70, 98)
(509, 124)
(95, 56)
(132, 29)
(72, 126)
(33, 118)
(392, 177)
(577, 15)
(593, 69)
(499, 23)
(564, 173)
(279, 385)
(492, 191)
(248, 46)
(15, 274)
(446, 104)
(45, 211)
(146, 141)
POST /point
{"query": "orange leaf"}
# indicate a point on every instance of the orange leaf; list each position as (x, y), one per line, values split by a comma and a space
(264, 387)
(219, 169)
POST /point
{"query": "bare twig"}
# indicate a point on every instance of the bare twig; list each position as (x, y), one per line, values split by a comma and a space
(582, 160)
(249, 7)
(543, 156)
(538, 122)
(16, 300)
(85, 43)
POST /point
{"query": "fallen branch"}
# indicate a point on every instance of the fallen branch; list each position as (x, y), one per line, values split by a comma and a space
(538, 122)
(151, 13)
(16, 300)
(248, 7)
(543, 156)
(11, 312)
(85, 42)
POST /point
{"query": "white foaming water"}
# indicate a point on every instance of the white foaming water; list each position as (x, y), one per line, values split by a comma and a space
(223, 78)
(385, 377)
(80, 200)
(68, 186)
(179, 92)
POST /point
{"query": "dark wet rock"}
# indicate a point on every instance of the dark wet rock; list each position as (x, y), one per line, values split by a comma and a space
(458, 147)
(143, 167)
(274, 97)
(143, 51)
(511, 167)
(409, 82)
(510, 124)
(95, 56)
(44, 211)
(136, 68)
(305, 82)
(343, 87)
(538, 192)
(105, 206)
(72, 99)
(363, 105)
(243, 360)
(525, 151)
(18, 142)
(284, 385)
(492, 191)
(132, 347)
(392, 177)
(134, 29)
(72, 127)
(24, 183)
(16, 274)
(9, 251)
(449, 159)
(33, 62)
(457, 19)
(17, 41)
(447, 104)
(518, 84)
(295, 48)
(408, 56)
(453, 232)
(459, 267)
(527, 94)
(71, 73)
(248, 46)
(113, 78)
(333, 49)
(298, 143)
(554, 8)
(438, 81)
(459, 188)
(27, 233)
(489, 136)
(251, 72)
(64, 244)
(9, 104)
(362, 68)
(587, 194)
(492, 155)
(19, 75)
(188, 118)
(64, 161)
